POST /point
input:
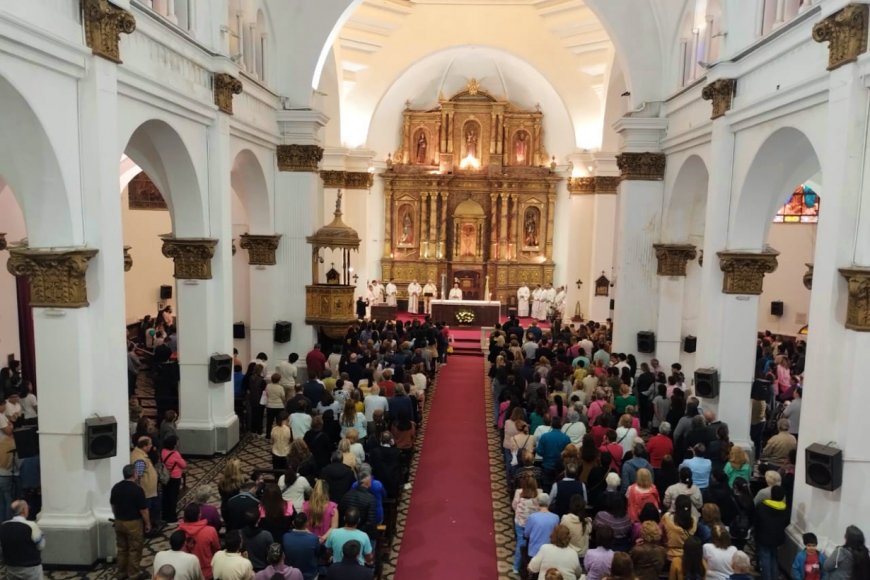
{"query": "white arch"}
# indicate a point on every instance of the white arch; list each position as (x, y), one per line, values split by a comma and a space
(687, 202)
(249, 182)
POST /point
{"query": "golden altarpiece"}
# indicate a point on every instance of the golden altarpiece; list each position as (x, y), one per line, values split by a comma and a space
(470, 198)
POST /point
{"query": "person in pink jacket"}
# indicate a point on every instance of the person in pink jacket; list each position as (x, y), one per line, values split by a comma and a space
(175, 465)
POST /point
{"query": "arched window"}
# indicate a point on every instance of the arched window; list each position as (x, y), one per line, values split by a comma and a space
(262, 51)
(714, 30)
(234, 31)
(801, 207)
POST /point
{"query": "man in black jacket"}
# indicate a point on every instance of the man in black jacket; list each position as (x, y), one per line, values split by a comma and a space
(338, 476)
(22, 542)
(386, 463)
(771, 520)
(566, 488)
(349, 568)
(362, 499)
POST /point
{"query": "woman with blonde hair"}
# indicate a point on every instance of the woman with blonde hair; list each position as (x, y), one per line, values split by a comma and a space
(524, 504)
(648, 555)
(230, 483)
(558, 554)
(640, 493)
(355, 446)
(322, 513)
(281, 436)
(737, 465)
(510, 430)
(578, 524)
(625, 433)
(352, 418)
(347, 456)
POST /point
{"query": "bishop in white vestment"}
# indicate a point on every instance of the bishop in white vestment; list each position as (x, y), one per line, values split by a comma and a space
(523, 295)
(392, 294)
(414, 291)
(547, 299)
(455, 293)
(537, 305)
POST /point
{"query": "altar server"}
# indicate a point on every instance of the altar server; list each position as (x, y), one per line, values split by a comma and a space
(377, 293)
(392, 293)
(414, 291)
(548, 298)
(455, 292)
(523, 295)
(560, 302)
(537, 304)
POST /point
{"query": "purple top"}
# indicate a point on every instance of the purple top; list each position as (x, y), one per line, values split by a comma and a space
(211, 514)
(597, 563)
(283, 569)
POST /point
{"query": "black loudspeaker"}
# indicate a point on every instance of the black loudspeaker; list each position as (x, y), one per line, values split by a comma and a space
(220, 368)
(690, 343)
(612, 303)
(165, 292)
(776, 308)
(101, 437)
(707, 383)
(239, 330)
(646, 341)
(283, 329)
(824, 466)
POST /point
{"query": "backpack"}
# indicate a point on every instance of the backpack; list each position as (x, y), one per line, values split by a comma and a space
(162, 473)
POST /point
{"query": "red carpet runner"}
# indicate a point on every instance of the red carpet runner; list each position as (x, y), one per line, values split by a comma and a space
(449, 530)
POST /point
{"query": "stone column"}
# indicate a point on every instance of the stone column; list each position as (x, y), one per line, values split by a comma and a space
(298, 213)
(442, 246)
(672, 260)
(551, 215)
(515, 226)
(639, 205)
(493, 227)
(433, 225)
(504, 254)
(262, 257)
(388, 224)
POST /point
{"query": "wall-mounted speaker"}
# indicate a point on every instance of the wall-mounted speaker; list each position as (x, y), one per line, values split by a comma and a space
(165, 292)
(220, 368)
(612, 303)
(690, 343)
(776, 308)
(824, 466)
(239, 330)
(283, 330)
(101, 437)
(707, 383)
(646, 341)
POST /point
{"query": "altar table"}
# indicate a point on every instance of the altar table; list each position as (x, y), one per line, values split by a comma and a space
(486, 313)
(384, 312)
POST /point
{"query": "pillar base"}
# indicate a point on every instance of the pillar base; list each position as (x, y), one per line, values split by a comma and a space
(76, 543)
(207, 440)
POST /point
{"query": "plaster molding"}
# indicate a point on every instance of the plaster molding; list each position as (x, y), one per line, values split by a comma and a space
(261, 248)
(673, 258)
(299, 157)
(104, 22)
(846, 33)
(641, 166)
(225, 86)
(744, 271)
(192, 256)
(57, 277)
(721, 94)
(858, 301)
(128, 259)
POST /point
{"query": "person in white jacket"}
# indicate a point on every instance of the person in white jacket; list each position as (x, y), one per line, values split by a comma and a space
(558, 554)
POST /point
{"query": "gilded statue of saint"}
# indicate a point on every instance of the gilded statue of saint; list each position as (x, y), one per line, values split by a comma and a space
(471, 141)
(421, 148)
(468, 240)
(521, 146)
(407, 229)
(530, 228)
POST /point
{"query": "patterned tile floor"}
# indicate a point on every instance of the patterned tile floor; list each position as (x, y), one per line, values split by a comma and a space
(254, 453)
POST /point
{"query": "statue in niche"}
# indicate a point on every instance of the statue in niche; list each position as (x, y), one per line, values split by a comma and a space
(530, 227)
(407, 235)
(467, 240)
(422, 145)
(521, 148)
(471, 140)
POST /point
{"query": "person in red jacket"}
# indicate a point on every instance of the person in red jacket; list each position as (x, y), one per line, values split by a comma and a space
(660, 445)
(202, 539)
(316, 362)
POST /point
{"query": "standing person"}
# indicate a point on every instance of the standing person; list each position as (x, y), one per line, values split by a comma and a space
(414, 290)
(598, 560)
(132, 522)
(175, 464)
(315, 361)
(558, 554)
(649, 556)
(281, 438)
(340, 536)
(809, 562)
(301, 547)
(288, 371)
(275, 401)
(539, 525)
(349, 567)
(392, 293)
(146, 477)
(523, 294)
(230, 563)
(641, 493)
(430, 291)
(689, 565)
(253, 384)
(525, 502)
(851, 560)
(201, 539)
(186, 565)
(771, 520)
(719, 554)
(277, 567)
(21, 542)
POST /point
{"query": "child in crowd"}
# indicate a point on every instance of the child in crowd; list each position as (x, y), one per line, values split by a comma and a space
(808, 563)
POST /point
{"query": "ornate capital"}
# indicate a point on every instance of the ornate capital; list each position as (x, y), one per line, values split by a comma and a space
(846, 31)
(858, 304)
(192, 256)
(641, 166)
(3, 243)
(606, 184)
(299, 157)
(128, 259)
(57, 277)
(808, 277)
(261, 249)
(744, 271)
(359, 180)
(581, 185)
(672, 258)
(334, 179)
(721, 93)
(225, 86)
(104, 23)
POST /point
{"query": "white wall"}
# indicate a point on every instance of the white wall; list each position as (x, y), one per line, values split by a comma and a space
(12, 223)
(796, 244)
(150, 268)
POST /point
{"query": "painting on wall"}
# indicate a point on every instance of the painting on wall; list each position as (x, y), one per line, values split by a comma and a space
(801, 207)
(143, 194)
(405, 226)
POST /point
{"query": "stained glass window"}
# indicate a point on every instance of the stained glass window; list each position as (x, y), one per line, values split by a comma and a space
(801, 207)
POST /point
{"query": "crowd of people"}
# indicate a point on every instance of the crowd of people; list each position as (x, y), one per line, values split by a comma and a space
(341, 438)
(617, 471)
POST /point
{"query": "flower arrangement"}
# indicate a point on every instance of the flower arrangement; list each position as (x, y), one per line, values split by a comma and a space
(464, 316)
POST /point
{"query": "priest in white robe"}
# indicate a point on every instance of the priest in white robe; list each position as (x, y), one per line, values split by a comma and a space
(537, 305)
(430, 291)
(547, 298)
(414, 291)
(392, 294)
(455, 292)
(523, 294)
(560, 302)
(369, 299)
(377, 293)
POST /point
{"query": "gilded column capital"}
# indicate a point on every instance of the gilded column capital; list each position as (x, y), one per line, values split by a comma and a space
(104, 23)
(128, 259)
(192, 256)
(57, 276)
(672, 258)
(261, 248)
(335, 179)
(358, 180)
(846, 31)
(808, 277)
(858, 302)
(299, 157)
(581, 185)
(225, 86)
(3, 243)
(744, 271)
(607, 184)
(721, 93)
(641, 166)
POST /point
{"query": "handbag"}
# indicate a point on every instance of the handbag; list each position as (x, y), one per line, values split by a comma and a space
(263, 398)
(515, 453)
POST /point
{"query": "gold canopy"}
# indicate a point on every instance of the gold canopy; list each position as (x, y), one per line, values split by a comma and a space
(335, 234)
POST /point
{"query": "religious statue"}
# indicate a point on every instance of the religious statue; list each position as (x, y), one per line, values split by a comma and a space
(521, 148)
(407, 228)
(468, 241)
(530, 228)
(471, 141)
(421, 148)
